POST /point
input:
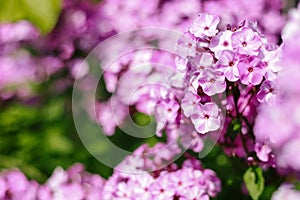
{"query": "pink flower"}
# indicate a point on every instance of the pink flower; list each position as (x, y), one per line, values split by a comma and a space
(228, 62)
(16, 181)
(287, 192)
(142, 183)
(271, 60)
(245, 41)
(267, 93)
(206, 118)
(111, 114)
(187, 45)
(251, 70)
(203, 61)
(189, 103)
(205, 25)
(73, 191)
(212, 82)
(161, 189)
(123, 192)
(193, 140)
(180, 181)
(262, 151)
(195, 192)
(221, 42)
(165, 111)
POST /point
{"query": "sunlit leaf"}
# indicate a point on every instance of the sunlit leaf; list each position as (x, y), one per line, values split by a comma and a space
(43, 14)
(254, 181)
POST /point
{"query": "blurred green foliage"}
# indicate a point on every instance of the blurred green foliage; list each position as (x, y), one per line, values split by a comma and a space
(42, 13)
(38, 136)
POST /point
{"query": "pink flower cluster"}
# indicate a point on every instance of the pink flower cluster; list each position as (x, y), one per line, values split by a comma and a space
(267, 14)
(219, 79)
(189, 182)
(14, 58)
(157, 14)
(237, 62)
(74, 183)
(83, 24)
(179, 13)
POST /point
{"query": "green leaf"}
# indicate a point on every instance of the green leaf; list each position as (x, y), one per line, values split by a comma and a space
(297, 186)
(11, 10)
(254, 182)
(43, 14)
(237, 127)
(141, 119)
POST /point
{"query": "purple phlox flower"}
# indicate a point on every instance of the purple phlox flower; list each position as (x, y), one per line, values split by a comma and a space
(251, 70)
(190, 138)
(192, 163)
(111, 114)
(205, 25)
(206, 118)
(165, 111)
(189, 103)
(268, 93)
(246, 41)
(72, 191)
(195, 192)
(161, 189)
(58, 178)
(141, 62)
(211, 182)
(211, 81)
(272, 63)
(134, 163)
(16, 182)
(180, 182)
(148, 96)
(262, 151)
(228, 62)
(142, 184)
(163, 153)
(128, 91)
(181, 64)
(221, 42)
(123, 191)
(187, 45)
(202, 61)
